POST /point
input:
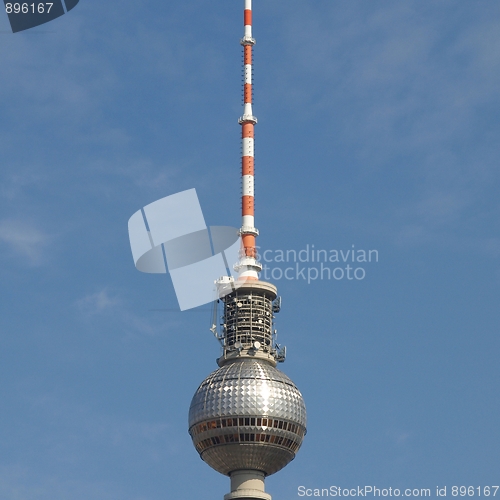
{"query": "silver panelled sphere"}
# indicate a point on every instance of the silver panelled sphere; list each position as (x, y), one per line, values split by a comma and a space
(247, 415)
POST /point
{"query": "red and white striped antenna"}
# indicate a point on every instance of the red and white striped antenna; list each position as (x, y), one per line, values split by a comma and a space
(248, 265)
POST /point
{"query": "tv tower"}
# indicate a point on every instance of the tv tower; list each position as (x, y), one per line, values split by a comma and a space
(247, 419)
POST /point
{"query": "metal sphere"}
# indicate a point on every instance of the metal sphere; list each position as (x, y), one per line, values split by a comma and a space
(247, 415)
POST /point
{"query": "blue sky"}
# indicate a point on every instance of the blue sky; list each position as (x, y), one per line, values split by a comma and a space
(378, 128)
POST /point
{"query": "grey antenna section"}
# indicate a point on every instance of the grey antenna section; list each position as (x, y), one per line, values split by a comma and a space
(277, 305)
(247, 322)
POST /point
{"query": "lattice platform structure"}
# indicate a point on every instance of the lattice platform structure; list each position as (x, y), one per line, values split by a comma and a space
(247, 323)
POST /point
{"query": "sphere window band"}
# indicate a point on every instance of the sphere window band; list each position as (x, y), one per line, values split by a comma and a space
(264, 433)
(247, 422)
(247, 437)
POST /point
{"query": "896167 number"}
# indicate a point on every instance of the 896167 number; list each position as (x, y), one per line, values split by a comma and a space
(28, 8)
(470, 491)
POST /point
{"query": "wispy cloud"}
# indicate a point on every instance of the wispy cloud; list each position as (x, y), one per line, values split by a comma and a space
(69, 437)
(105, 304)
(23, 483)
(410, 95)
(401, 66)
(85, 424)
(97, 302)
(24, 240)
(399, 437)
(14, 186)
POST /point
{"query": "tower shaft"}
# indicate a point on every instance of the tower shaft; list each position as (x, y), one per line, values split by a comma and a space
(247, 485)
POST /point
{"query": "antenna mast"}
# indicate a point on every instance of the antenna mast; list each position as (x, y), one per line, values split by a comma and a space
(248, 265)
